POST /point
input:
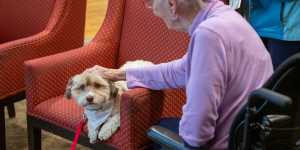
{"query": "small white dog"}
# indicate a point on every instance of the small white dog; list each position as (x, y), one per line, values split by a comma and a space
(100, 99)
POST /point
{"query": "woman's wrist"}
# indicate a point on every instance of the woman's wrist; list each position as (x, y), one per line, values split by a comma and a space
(116, 74)
(121, 74)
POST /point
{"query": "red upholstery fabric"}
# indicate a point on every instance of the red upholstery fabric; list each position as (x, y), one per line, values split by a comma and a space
(129, 32)
(47, 77)
(225, 2)
(55, 71)
(111, 27)
(140, 109)
(146, 37)
(61, 111)
(64, 30)
(20, 19)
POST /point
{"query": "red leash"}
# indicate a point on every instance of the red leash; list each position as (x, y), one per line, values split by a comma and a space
(78, 132)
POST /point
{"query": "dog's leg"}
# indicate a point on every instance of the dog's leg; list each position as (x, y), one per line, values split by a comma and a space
(109, 127)
(93, 134)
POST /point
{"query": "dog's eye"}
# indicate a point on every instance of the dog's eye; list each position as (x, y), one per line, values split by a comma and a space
(82, 87)
(97, 85)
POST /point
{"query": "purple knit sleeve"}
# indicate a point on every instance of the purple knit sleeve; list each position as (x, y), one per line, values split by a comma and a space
(162, 76)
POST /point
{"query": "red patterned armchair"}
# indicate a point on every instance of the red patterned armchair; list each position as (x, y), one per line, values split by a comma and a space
(29, 30)
(129, 32)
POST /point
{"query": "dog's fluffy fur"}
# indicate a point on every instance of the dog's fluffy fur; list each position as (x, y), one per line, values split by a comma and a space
(132, 64)
(101, 90)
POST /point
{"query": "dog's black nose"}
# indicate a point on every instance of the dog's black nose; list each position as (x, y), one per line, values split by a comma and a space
(89, 98)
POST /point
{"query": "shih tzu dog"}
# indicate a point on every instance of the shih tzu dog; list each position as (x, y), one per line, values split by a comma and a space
(100, 99)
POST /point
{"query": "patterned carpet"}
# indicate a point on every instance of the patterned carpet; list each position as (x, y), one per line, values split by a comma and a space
(16, 133)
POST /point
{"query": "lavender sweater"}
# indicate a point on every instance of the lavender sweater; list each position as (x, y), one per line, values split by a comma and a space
(225, 62)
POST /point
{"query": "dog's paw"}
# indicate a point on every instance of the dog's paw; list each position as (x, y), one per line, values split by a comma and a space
(93, 137)
(105, 134)
(93, 140)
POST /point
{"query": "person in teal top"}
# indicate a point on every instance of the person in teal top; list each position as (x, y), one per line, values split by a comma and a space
(278, 23)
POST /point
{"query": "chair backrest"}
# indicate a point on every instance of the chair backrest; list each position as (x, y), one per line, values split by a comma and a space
(285, 80)
(146, 37)
(20, 19)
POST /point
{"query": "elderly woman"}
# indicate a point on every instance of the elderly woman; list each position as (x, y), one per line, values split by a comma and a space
(225, 62)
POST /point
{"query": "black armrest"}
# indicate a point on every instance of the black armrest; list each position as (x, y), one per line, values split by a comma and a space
(169, 139)
(271, 96)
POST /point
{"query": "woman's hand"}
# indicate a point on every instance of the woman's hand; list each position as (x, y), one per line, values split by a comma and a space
(111, 74)
(99, 71)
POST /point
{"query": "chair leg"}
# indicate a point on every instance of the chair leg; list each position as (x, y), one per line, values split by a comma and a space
(2, 127)
(34, 135)
(11, 110)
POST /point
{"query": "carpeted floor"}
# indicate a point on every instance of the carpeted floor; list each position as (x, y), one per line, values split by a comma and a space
(16, 133)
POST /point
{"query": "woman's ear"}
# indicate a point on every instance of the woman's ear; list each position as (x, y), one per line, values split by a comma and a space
(113, 89)
(173, 6)
(68, 94)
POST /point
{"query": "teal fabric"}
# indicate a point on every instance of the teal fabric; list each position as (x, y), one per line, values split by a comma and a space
(276, 19)
(291, 21)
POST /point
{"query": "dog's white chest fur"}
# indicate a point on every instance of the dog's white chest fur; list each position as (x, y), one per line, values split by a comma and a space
(98, 115)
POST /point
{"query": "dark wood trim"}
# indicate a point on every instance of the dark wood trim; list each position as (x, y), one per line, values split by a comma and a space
(34, 135)
(14, 98)
(11, 110)
(62, 132)
(9, 102)
(2, 127)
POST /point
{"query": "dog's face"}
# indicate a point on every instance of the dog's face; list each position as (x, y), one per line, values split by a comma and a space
(90, 90)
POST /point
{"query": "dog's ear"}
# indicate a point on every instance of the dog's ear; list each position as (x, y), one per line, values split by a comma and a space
(113, 89)
(68, 94)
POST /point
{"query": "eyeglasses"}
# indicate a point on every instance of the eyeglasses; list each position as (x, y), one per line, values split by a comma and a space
(147, 3)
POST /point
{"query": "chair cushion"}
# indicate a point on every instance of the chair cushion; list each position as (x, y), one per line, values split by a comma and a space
(67, 114)
(60, 111)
